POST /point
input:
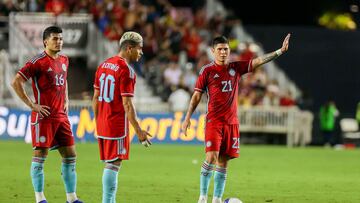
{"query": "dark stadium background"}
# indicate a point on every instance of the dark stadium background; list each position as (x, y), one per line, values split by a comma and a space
(320, 61)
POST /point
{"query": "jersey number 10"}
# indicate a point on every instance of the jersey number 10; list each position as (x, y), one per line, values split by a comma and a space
(107, 88)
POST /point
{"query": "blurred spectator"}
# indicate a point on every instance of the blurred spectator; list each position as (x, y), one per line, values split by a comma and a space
(35, 5)
(203, 60)
(7, 7)
(173, 39)
(81, 6)
(271, 97)
(328, 114)
(179, 99)
(55, 6)
(192, 41)
(118, 13)
(150, 48)
(172, 74)
(86, 95)
(215, 24)
(287, 99)
(247, 54)
(153, 15)
(135, 15)
(260, 77)
(245, 85)
(102, 21)
(259, 84)
(200, 18)
(189, 77)
(95, 10)
(249, 100)
(113, 31)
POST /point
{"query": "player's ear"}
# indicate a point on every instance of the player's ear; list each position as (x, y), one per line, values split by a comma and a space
(128, 49)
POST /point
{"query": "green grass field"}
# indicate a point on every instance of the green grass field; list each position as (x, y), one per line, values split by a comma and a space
(170, 173)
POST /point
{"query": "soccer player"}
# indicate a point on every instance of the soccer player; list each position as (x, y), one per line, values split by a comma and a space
(113, 108)
(220, 79)
(50, 127)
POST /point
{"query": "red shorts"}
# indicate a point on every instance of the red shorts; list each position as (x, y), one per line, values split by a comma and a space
(114, 149)
(223, 138)
(52, 134)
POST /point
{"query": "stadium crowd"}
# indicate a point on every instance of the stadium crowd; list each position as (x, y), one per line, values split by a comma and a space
(176, 42)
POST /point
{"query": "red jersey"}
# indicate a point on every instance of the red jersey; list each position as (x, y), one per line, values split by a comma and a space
(221, 85)
(114, 79)
(49, 78)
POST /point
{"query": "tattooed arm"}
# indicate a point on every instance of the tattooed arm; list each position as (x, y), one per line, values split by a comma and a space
(195, 100)
(271, 56)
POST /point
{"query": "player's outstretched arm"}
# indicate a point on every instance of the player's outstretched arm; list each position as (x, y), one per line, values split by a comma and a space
(18, 86)
(131, 114)
(195, 100)
(270, 56)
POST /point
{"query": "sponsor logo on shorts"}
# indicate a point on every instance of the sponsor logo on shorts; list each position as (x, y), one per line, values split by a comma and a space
(42, 139)
(208, 144)
(123, 151)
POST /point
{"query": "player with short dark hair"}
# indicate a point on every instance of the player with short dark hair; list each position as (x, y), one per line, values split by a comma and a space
(50, 126)
(113, 108)
(219, 80)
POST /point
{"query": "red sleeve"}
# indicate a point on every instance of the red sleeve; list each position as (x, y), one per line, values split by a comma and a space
(201, 82)
(67, 63)
(242, 67)
(28, 71)
(96, 80)
(127, 82)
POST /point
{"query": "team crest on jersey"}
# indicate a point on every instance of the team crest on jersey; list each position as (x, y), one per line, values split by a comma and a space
(63, 66)
(42, 139)
(232, 72)
(208, 144)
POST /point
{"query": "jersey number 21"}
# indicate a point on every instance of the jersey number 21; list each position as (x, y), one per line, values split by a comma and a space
(226, 86)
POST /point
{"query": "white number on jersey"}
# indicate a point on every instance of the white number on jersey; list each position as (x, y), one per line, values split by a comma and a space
(59, 80)
(107, 88)
(226, 86)
(236, 143)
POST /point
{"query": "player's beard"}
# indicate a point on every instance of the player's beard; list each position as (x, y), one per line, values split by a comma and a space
(138, 56)
(56, 49)
(223, 59)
